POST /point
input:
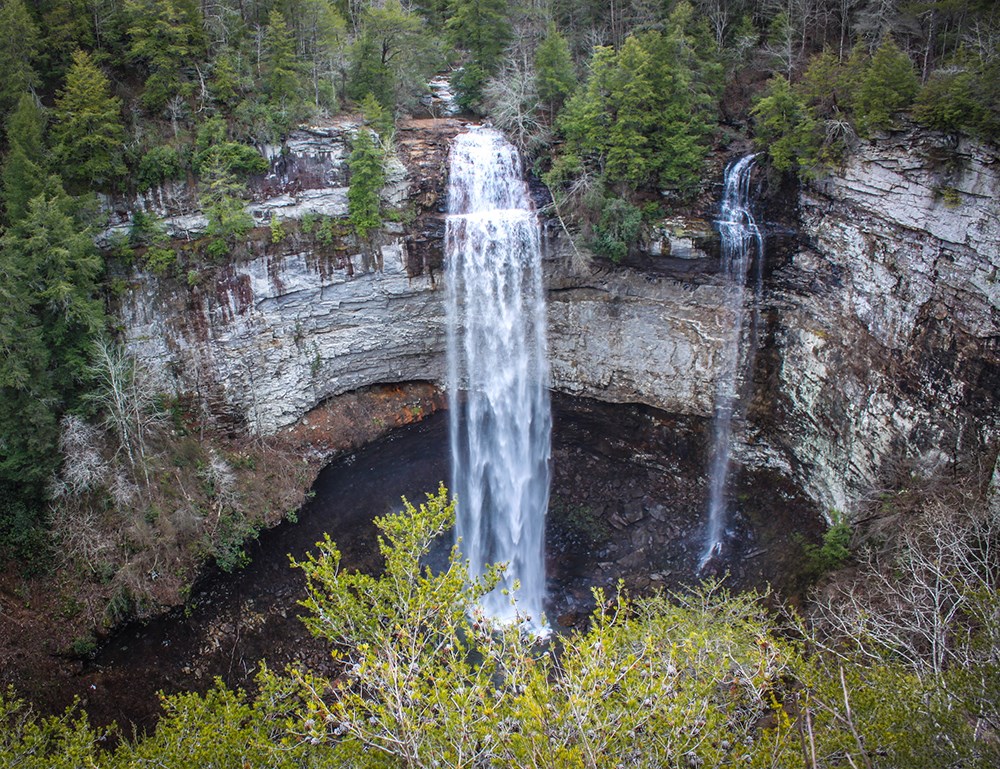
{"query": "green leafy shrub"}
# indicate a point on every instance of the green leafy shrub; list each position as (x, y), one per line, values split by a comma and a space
(835, 549)
(158, 165)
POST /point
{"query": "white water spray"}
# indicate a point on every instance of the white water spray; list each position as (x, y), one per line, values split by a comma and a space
(500, 433)
(742, 245)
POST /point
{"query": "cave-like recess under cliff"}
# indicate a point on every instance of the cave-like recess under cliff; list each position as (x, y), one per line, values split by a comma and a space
(880, 338)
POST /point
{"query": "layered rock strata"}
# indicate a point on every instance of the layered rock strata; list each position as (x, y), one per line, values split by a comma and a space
(264, 339)
(882, 344)
(887, 318)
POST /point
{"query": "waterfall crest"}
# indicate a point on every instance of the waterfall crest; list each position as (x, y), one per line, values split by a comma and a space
(500, 432)
(742, 246)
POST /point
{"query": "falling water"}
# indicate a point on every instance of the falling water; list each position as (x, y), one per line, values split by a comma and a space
(742, 244)
(496, 351)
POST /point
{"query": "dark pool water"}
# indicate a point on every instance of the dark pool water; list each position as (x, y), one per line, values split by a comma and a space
(627, 502)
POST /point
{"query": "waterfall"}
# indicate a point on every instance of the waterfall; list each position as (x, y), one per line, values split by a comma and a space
(742, 245)
(500, 432)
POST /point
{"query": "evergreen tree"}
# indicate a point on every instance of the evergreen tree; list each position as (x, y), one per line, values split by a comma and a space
(483, 28)
(222, 200)
(323, 33)
(68, 26)
(889, 85)
(554, 72)
(366, 182)
(49, 314)
(24, 169)
(630, 153)
(392, 57)
(225, 86)
(167, 36)
(87, 134)
(367, 74)
(824, 85)
(641, 115)
(783, 125)
(18, 47)
(280, 69)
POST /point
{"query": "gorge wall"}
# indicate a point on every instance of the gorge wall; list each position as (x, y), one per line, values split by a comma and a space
(886, 318)
(882, 343)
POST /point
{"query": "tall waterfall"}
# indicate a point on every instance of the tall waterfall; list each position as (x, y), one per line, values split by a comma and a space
(500, 432)
(742, 245)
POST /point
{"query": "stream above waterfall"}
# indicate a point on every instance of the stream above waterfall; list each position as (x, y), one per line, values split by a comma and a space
(628, 500)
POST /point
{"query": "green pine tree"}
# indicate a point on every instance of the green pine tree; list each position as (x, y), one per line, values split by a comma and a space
(630, 151)
(222, 200)
(368, 74)
(167, 36)
(642, 117)
(483, 28)
(363, 196)
(889, 85)
(280, 70)
(49, 314)
(554, 70)
(24, 169)
(18, 48)
(224, 85)
(783, 124)
(87, 133)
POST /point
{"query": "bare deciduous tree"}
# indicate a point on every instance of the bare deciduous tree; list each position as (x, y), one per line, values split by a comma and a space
(924, 598)
(127, 399)
(513, 103)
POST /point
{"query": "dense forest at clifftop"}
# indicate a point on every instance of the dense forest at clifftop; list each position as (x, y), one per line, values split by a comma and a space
(617, 107)
(626, 99)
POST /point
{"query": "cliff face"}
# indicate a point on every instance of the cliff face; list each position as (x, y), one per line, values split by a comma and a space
(882, 343)
(887, 318)
(629, 337)
(268, 337)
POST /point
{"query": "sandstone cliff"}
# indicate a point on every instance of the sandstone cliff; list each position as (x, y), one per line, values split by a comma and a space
(882, 319)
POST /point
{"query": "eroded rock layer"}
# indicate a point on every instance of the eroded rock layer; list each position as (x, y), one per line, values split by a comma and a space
(880, 347)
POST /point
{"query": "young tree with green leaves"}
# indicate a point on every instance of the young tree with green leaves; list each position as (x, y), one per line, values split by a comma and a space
(87, 132)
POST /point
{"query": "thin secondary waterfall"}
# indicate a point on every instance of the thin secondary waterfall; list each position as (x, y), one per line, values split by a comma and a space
(500, 432)
(742, 246)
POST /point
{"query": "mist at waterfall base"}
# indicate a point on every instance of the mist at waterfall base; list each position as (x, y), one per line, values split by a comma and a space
(500, 427)
(742, 247)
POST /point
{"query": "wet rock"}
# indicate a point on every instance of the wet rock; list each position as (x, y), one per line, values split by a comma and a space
(633, 512)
